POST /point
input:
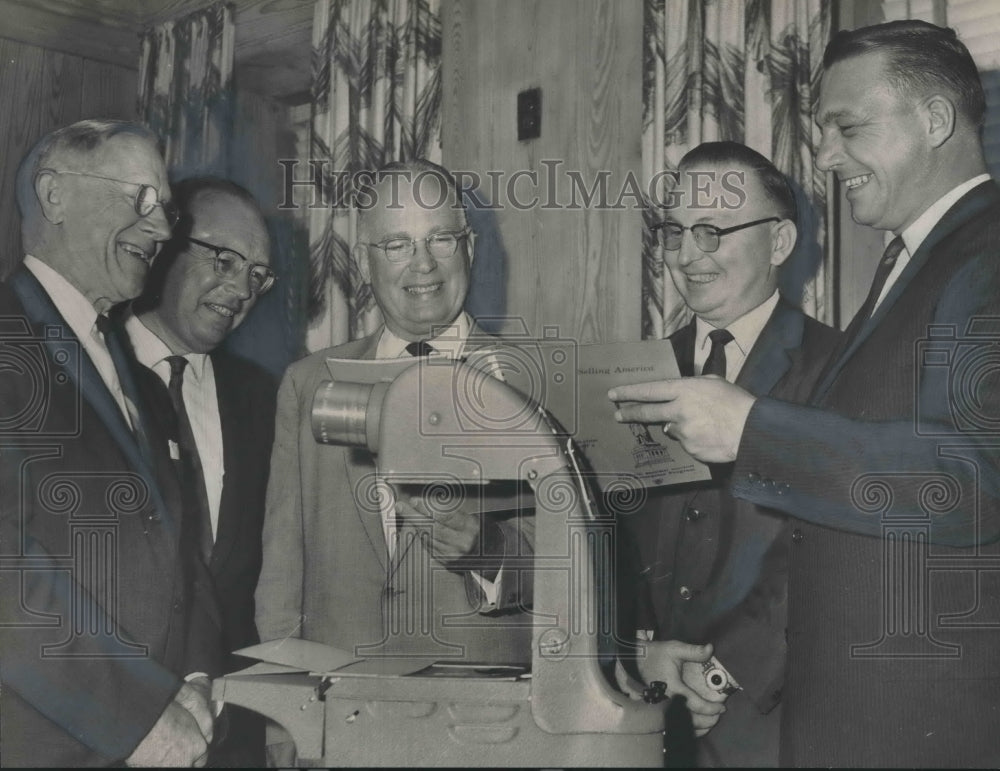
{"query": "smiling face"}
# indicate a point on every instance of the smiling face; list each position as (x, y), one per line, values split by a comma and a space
(723, 285)
(875, 140)
(105, 246)
(424, 291)
(197, 307)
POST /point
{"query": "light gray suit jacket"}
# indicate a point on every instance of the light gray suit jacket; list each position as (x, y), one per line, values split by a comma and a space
(326, 573)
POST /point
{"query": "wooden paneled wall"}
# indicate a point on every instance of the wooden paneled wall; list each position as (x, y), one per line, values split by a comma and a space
(577, 269)
(43, 89)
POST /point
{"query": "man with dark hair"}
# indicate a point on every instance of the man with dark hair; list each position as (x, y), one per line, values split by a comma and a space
(217, 409)
(700, 552)
(891, 471)
(103, 614)
(370, 574)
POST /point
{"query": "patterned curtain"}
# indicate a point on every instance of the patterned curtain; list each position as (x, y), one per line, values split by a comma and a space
(747, 72)
(186, 89)
(376, 98)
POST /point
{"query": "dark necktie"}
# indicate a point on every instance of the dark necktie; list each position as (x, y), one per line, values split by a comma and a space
(197, 518)
(889, 257)
(113, 342)
(715, 364)
(419, 348)
(885, 266)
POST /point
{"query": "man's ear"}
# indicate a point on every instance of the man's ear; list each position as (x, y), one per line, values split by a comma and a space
(360, 254)
(939, 114)
(472, 245)
(783, 237)
(50, 193)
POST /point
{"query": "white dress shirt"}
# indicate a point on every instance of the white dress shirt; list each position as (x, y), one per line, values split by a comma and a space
(921, 227)
(745, 331)
(200, 400)
(81, 317)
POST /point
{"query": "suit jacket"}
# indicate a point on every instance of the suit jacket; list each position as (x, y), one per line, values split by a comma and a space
(701, 552)
(894, 656)
(246, 398)
(326, 574)
(102, 611)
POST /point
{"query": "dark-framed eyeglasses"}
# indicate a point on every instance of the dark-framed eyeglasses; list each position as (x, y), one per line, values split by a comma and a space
(440, 245)
(229, 264)
(706, 237)
(147, 197)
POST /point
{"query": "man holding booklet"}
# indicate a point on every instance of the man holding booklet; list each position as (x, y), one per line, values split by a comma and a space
(703, 570)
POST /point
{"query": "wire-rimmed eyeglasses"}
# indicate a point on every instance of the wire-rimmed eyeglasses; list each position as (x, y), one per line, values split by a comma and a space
(147, 197)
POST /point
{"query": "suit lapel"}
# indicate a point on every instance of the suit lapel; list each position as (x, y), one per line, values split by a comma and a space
(40, 309)
(769, 359)
(360, 467)
(683, 343)
(968, 206)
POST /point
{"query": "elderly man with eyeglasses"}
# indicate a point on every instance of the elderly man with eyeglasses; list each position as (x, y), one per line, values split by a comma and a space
(390, 577)
(103, 627)
(706, 568)
(216, 409)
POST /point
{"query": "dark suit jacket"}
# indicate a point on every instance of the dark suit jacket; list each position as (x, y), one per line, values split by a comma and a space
(325, 575)
(700, 552)
(246, 399)
(894, 605)
(102, 612)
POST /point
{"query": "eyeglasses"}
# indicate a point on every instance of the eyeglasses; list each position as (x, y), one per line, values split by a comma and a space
(229, 264)
(147, 198)
(706, 237)
(440, 245)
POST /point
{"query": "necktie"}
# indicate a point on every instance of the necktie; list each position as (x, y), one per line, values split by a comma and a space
(115, 346)
(419, 348)
(889, 257)
(197, 518)
(715, 364)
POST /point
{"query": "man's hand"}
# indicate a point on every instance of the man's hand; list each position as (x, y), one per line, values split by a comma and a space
(679, 665)
(706, 414)
(181, 735)
(454, 534)
(196, 697)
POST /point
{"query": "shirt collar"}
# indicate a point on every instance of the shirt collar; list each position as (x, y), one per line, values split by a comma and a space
(745, 330)
(921, 227)
(150, 350)
(450, 341)
(76, 309)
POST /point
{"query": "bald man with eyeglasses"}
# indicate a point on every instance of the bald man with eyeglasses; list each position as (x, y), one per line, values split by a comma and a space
(216, 409)
(707, 569)
(342, 566)
(103, 625)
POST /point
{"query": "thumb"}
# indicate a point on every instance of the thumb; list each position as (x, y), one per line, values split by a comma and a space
(690, 652)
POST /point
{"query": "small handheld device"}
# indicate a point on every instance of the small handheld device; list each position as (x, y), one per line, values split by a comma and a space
(717, 677)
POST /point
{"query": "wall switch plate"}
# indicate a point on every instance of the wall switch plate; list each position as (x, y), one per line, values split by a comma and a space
(529, 114)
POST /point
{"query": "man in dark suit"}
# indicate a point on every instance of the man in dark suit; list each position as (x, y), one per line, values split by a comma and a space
(891, 471)
(205, 281)
(700, 551)
(104, 614)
